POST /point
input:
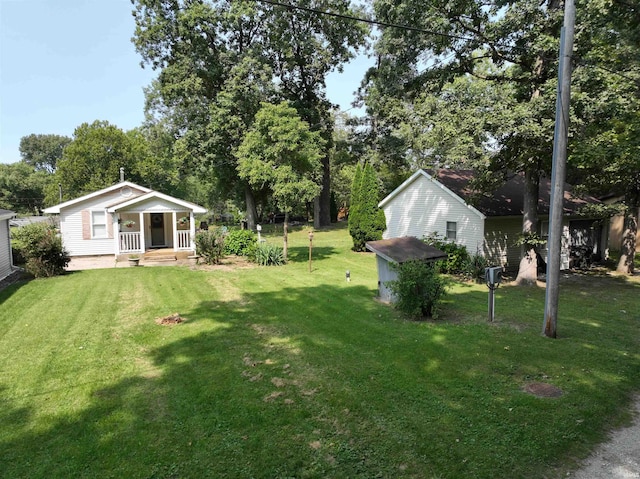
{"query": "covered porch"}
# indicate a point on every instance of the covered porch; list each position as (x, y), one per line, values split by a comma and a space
(154, 221)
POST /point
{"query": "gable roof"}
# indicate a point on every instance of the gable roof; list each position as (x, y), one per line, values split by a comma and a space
(155, 194)
(407, 248)
(507, 199)
(122, 184)
(6, 214)
(445, 189)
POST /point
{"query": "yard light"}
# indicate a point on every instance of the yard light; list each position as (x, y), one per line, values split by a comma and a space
(348, 276)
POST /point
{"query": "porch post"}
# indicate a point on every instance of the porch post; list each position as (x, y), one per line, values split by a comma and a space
(116, 232)
(174, 230)
(142, 228)
(192, 231)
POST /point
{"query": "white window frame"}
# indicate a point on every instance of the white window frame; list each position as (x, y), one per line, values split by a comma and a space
(94, 223)
(454, 231)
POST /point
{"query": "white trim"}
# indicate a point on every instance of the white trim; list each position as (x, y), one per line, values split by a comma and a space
(7, 215)
(143, 244)
(92, 223)
(57, 208)
(426, 175)
(174, 230)
(156, 194)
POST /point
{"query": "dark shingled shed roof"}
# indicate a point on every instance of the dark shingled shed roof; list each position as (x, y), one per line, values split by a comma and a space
(408, 248)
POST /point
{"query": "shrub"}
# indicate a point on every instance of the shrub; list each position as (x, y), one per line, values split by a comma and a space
(474, 267)
(457, 255)
(419, 289)
(240, 242)
(269, 255)
(366, 220)
(210, 244)
(41, 247)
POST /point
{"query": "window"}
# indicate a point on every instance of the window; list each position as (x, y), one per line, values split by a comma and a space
(99, 224)
(452, 226)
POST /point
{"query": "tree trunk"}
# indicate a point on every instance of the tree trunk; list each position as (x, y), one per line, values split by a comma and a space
(285, 237)
(528, 269)
(324, 212)
(252, 212)
(628, 246)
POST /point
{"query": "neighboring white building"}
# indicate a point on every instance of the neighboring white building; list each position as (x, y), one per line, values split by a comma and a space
(6, 261)
(126, 218)
(444, 204)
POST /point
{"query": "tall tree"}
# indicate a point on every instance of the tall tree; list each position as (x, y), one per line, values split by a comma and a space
(282, 153)
(22, 188)
(93, 159)
(201, 46)
(43, 151)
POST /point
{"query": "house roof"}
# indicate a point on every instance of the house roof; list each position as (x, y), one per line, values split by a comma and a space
(407, 248)
(122, 184)
(27, 220)
(6, 214)
(507, 199)
(155, 194)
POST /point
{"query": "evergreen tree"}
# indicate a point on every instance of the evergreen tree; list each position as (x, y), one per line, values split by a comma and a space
(369, 221)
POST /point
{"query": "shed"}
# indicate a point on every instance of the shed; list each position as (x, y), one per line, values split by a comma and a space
(6, 263)
(397, 251)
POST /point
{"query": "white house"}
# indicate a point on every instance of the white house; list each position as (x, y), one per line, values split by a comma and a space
(126, 218)
(443, 203)
(6, 261)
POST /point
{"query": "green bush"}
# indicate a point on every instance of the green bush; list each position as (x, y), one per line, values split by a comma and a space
(457, 255)
(240, 242)
(210, 244)
(41, 247)
(474, 267)
(419, 289)
(269, 255)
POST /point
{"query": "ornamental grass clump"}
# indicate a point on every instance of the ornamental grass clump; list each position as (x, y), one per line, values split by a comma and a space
(269, 255)
(419, 289)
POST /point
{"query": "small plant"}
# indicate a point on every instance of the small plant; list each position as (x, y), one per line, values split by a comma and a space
(210, 244)
(129, 223)
(419, 289)
(474, 267)
(42, 249)
(240, 242)
(269, 255)
(184, 220)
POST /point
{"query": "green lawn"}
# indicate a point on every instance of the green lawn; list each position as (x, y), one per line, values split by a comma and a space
(279, 372)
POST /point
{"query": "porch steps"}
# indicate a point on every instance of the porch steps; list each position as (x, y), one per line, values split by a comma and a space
(159, 257)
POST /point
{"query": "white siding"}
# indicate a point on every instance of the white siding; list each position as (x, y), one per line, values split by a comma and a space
(71, 226)
(5, 249)
(423, 208)
(500, 236)
(386, 273)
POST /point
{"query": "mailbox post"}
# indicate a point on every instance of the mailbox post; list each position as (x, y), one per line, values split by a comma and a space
(493, 277)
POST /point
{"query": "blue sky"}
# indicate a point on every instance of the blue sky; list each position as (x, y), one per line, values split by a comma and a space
(67, 62)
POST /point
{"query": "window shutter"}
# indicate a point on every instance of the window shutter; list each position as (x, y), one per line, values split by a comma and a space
(109, 226)
(86, 224)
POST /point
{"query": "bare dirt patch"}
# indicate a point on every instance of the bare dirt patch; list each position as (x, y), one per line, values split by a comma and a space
(228, 263)
(543, 390)
(170, 320)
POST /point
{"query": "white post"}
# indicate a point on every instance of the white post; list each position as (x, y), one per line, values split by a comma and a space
(142, 227)
(174, 231)
(116, 232)
(192, 231)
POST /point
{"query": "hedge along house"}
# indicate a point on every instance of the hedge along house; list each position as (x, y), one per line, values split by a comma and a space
(443, 203)
(124, 219)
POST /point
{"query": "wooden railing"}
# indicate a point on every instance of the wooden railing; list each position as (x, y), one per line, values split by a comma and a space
(130, 242)
(184, 239)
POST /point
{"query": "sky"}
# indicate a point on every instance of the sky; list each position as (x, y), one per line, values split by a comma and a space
(68, 62)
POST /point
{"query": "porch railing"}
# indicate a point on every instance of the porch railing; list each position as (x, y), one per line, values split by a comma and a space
(129, 242)
(184, 239)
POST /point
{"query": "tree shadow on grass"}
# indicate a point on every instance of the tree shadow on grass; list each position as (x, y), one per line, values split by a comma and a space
(300, 254)
(318, 381)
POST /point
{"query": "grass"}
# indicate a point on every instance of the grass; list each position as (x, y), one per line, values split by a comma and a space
(279, 372)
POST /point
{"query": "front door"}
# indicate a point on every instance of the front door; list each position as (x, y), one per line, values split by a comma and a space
(157, 229)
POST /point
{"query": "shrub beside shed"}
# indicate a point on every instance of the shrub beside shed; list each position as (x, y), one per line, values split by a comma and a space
(397, 251)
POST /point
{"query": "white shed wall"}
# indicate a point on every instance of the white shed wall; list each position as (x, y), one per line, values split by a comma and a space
(423, 208)
(5, 249)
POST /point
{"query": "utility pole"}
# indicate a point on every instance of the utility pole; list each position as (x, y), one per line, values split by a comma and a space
(558, 171)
